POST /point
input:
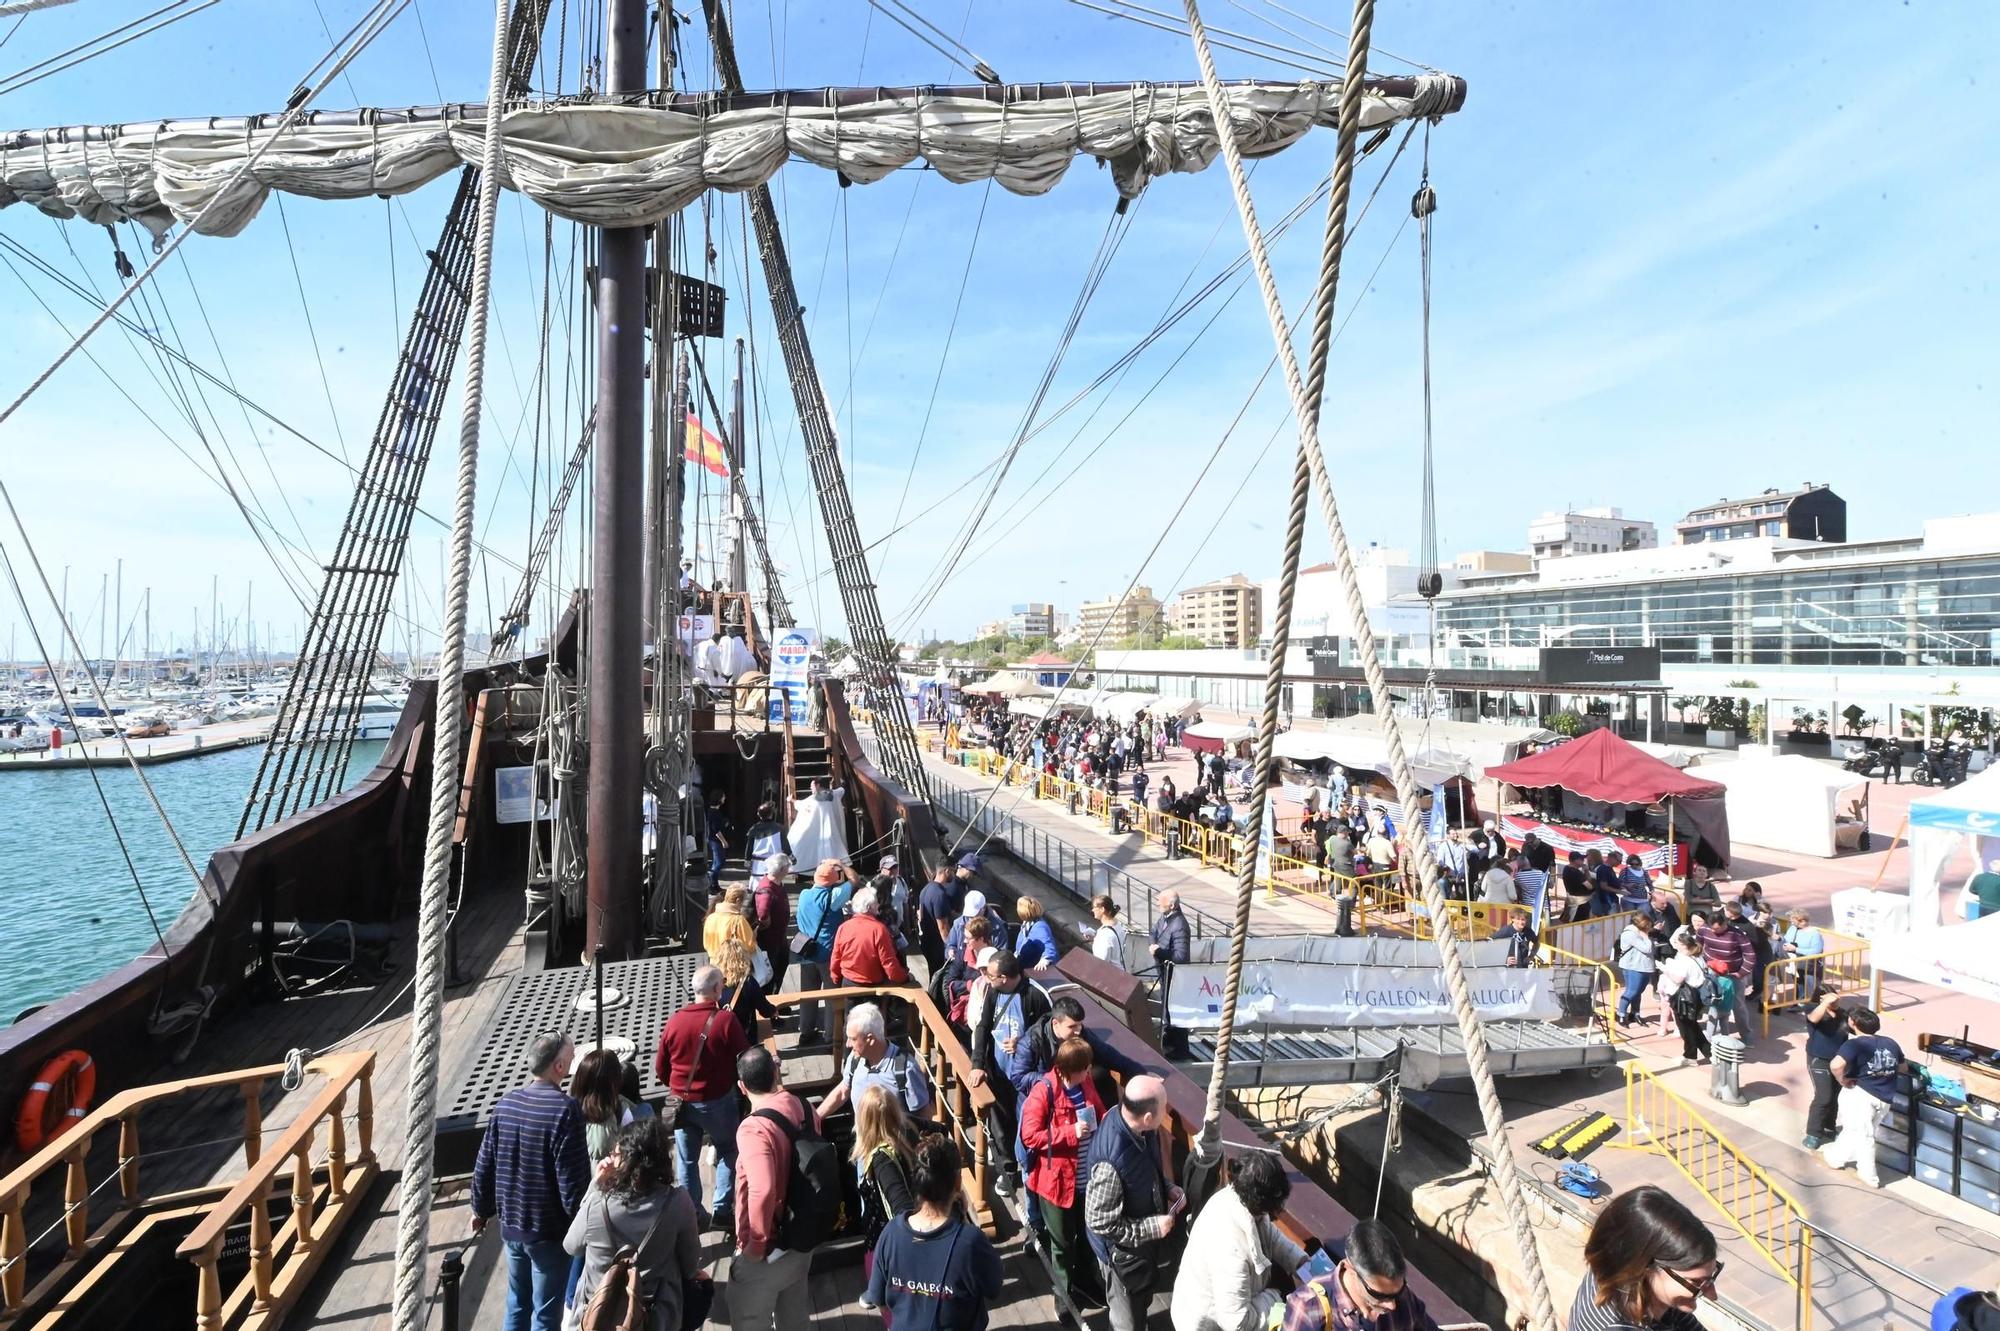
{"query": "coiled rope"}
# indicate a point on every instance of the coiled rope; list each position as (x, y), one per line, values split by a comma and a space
(413, 1219)
(1312, 466)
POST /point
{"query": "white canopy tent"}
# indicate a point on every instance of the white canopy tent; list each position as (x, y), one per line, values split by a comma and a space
(1787, 803)
(1958, 957)
(1439, 749)
(1943, 828)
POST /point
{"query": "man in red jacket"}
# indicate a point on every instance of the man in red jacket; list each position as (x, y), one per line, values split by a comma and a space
(864, 951)
(697, 1061)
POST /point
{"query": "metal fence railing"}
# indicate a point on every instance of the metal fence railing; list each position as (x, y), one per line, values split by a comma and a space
(1080, 873)
(1845, 964)
(1762, 1211)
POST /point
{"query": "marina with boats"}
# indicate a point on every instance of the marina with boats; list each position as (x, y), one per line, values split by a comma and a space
(1324, 988)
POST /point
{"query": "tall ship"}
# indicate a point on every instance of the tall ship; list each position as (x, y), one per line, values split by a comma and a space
(268, 1117)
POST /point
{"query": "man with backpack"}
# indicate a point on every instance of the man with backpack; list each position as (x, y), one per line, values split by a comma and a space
(788, 1187)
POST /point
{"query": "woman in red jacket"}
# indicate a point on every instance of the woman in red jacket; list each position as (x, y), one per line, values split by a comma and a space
(1062, 1111)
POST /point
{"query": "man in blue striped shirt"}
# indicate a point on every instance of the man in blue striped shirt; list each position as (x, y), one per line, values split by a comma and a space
(532, 1170)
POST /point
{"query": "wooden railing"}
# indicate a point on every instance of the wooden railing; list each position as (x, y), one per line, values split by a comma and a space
(961, 1100)
(281, 1262)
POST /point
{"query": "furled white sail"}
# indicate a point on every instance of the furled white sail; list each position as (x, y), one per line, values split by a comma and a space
(625, 165)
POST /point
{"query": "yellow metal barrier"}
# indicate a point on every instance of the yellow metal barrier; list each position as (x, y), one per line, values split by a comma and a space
(1845, 964)
(1761, 1211)
(1596, 937)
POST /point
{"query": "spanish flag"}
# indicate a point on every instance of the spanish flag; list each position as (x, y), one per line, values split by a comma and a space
(705, 448)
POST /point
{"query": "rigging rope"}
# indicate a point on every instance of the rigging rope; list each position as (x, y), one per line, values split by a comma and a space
(413, 1219)
(1306, 398)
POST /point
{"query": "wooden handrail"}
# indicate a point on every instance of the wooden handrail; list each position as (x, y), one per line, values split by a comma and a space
(933, 1020)
(341, 1072)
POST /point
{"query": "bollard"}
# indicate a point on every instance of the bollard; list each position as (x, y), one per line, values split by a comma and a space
(1345, 927)
(1074, 797)
(450, 1272)
(1173, 841)
(1724, 1084)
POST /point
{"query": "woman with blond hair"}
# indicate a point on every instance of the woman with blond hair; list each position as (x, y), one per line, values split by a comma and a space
(885, 1150)
(742, 992)
(1035, 940)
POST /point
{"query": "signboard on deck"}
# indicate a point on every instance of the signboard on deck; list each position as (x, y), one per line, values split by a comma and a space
(694, 630)
(791, 660)
(514, 796)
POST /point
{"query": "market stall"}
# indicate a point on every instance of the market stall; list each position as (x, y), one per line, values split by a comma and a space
(1634, 796)
(1216, 736)
(1006, 684)
(1794, 803)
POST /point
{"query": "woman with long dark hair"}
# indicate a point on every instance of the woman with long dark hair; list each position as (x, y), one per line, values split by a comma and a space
(598, 1087)
(1649, 1264)
(935, 1270)
(634, 1203)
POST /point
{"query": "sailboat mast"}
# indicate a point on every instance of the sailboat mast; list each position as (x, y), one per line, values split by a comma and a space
(118, 641)
(616, 730)
(739, 573)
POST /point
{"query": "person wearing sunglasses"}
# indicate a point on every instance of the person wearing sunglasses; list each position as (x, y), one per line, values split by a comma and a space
(1648, 1265)
(1367, 1290)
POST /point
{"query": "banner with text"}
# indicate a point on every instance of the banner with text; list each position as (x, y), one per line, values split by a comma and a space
(791, 659)
(1319, 995)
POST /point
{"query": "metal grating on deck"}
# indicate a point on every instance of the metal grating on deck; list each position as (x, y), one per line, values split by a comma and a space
(655, 988)
(1430, 1053)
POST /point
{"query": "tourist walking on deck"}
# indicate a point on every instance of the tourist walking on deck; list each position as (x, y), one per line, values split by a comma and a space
(1059, 1112)
(822, 910)
(1001, 1012)
(1106, 941)
(934, 1268)
(1684, 981)
(885, 1156)
(873, 1059)
(1367, 1290)
(767, 1279)
(728, 920)
(1129, 1205)
(1170, 949)
(1648, 1264)
(1866, 1068)
(696, 1061)
(974, 908)
(771, 919)
(1224, 1282)
(633, 1203)
(1035, 938)
(741, 994)
(1827, 1030)
(532, 1171)
(1636, 963)
(766, 837)
(864, 949)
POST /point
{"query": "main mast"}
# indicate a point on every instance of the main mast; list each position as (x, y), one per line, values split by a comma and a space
(614, 699)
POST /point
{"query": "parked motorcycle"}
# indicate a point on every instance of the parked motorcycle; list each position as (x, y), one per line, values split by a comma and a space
(1942, 764)
(1873, 760)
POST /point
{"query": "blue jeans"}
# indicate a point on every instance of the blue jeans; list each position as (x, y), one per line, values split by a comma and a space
(716, 1120)
(1635, 987)
(536, 1274)
(717, 857)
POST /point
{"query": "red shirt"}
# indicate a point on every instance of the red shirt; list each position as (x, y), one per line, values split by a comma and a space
(712, 1074)
(771, 912)
(864, 952)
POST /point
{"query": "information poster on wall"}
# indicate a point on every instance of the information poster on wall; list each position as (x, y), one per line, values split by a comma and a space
(514, 796)
(791, 662)
(694, 630)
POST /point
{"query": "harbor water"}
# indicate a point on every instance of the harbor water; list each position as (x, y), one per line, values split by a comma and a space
(72, 911)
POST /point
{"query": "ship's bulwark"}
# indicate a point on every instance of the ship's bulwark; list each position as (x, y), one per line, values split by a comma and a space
(625, 165)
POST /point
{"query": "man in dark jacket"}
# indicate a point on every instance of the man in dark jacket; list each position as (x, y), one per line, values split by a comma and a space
(1009, 1007)
(1130, 1206)
(1170, 948)
(1034, 1056)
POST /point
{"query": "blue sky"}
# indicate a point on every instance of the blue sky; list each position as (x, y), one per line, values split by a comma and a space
(1681, 252)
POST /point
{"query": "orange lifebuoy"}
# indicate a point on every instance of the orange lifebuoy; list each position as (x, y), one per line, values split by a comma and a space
(58, 1100)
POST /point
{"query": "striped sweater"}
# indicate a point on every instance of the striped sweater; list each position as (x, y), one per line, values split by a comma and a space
(532, 1167)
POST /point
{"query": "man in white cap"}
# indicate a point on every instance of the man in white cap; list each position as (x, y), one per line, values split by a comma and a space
(975, 906)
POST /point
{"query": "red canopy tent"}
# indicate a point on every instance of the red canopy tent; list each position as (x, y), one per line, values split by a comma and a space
(1601, 766)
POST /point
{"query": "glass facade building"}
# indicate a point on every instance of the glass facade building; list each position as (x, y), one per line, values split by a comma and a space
(1824, 609)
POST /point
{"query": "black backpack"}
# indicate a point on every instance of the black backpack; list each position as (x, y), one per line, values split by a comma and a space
(812, 1210)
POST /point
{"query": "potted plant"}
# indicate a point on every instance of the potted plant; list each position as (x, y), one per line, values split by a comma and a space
(1723, 718)
(1566, 722)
